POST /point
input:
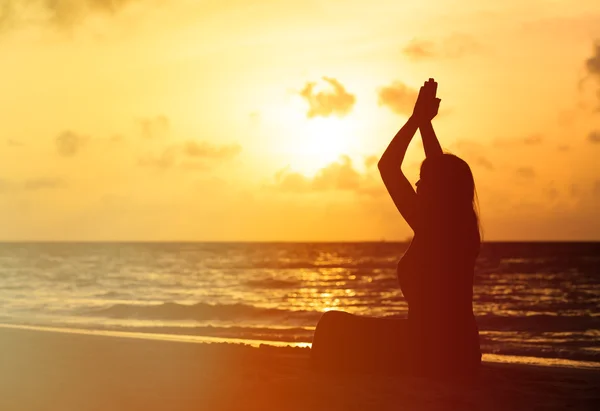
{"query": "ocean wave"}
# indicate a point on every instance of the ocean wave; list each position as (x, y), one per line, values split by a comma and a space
(541, 352)
(359, 264)
(540, 323)
(204, 312)
(272, 283)
(292, 334)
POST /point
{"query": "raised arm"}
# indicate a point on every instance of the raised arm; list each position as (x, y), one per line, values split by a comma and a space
(430, 142)
(431, 145)
(395, 181)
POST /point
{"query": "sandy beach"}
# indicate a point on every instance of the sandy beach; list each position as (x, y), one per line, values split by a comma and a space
(60, 371)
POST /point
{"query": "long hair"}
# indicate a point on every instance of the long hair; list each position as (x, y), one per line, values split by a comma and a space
(447, 190)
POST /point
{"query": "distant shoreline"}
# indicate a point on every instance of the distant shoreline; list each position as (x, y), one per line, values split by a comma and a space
(515, 242)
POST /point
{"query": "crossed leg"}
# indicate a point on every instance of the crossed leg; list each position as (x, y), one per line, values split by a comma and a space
(346, 342)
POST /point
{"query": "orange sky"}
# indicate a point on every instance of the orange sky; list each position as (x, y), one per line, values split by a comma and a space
(223, 121)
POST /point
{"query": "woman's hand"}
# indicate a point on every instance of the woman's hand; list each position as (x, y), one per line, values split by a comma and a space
(426, 109)
(427, 105)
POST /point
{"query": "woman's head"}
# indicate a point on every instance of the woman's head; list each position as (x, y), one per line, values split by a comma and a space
(447, 189)
(446, 178)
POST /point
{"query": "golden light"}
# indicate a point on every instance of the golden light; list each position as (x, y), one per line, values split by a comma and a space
(319, 142)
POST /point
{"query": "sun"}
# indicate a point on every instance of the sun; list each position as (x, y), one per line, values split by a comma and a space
(319, 142)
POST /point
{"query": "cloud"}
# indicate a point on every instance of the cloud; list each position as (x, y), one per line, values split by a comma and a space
(336, 101)
(592, 66)
(14, 143)
(337, 176)
(530, 140)
(7, 14)
(163, 161)
(451, 47)
(484, 162)
(398, 97)
(155, 127)
(525, 172)
(210, 151)
(533, 139)
(473, 152)
(371, 161)
(70, 143)
(59, 13)
(594, 137)
(44, 183)
(593, 63)
(420, 49)
(203, 156)
(292, 181)
(32, 184)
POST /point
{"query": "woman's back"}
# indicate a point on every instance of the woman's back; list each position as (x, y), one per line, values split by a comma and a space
(436, 278)
(436, 274)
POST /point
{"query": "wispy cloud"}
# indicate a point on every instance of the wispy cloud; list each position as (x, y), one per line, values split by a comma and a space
(398, 97)
(155, 127)
(334, 101)
(69, 143)
(59, 13)
(525, 172)
(484, 162)
(44, 183)
(474, 153)
(340, 175)
(292, 181)
(165, 160)
(32, 184)
(14, 143)
(453, 46)
(370, 161)
(206, 150)
(592, 67)
(420, 49)
(529, 140)
(337, 176)
(191, 155)
(592, 64)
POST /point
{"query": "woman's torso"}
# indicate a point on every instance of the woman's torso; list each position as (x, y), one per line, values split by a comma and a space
(436, 278)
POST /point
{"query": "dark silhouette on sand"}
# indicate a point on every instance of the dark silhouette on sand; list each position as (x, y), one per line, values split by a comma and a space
(440, 338)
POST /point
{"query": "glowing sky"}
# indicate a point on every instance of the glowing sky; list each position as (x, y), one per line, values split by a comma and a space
(226, 121)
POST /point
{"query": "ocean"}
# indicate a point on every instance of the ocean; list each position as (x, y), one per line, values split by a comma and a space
(530, 299)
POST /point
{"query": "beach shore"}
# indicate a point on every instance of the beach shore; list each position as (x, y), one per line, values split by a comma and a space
(66, 371)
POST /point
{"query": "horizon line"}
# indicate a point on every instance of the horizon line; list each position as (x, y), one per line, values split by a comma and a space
(283, 241)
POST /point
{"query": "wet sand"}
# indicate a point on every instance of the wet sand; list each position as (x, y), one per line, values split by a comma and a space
(58, 371)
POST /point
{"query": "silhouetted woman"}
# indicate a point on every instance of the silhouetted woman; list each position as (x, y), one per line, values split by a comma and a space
(440, 337)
